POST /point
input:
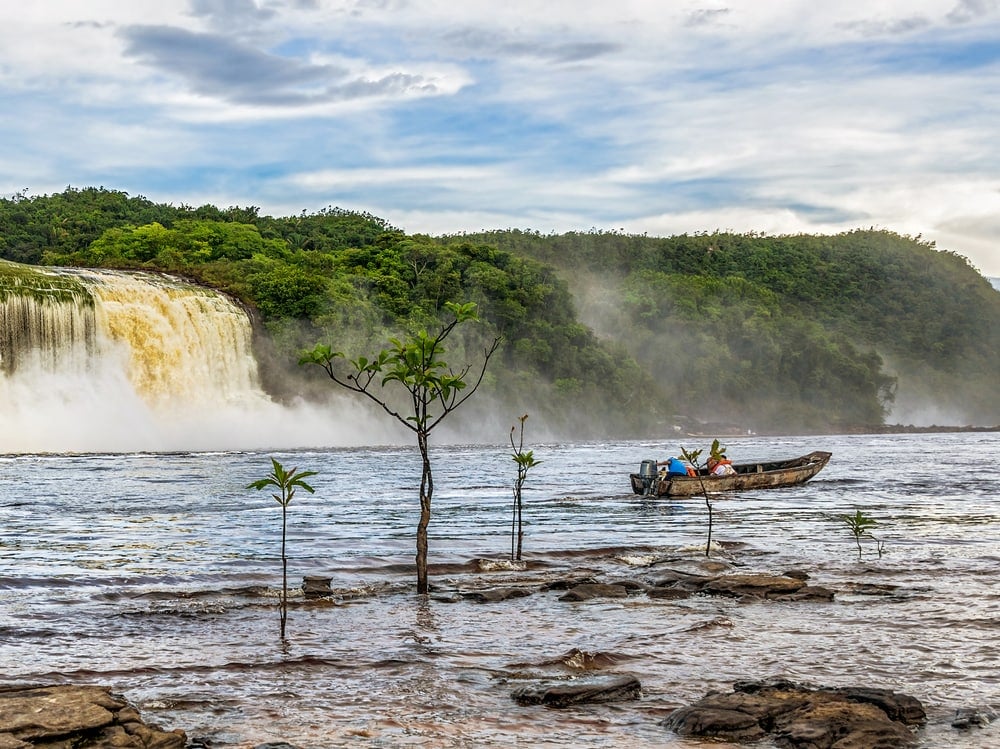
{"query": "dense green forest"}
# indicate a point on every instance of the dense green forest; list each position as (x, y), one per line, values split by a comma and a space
(606, 334)
(794, 322)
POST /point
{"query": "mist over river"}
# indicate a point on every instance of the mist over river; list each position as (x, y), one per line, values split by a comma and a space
(158, 575)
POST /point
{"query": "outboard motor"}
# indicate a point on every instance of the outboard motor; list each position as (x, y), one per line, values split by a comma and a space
(647, 472)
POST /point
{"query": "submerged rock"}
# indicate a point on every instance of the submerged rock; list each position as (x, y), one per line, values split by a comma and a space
(974, 717)
(800, 717)
(808, 593)
(754, 585)
(81, 717)
(567, 583)
(667, 584)
(679, 579)
(579, 660)
(315, 586)
(579, 691)
(495, 595)
(587, 591)
(670, 593)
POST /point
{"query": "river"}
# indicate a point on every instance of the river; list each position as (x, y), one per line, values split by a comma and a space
(158, 575)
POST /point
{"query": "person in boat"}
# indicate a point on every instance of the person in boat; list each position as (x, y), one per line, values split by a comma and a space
(677, 467)
(721, 466)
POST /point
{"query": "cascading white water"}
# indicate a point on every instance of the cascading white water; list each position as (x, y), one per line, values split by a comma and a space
(48, 330)
(104, 361)
(183, 345)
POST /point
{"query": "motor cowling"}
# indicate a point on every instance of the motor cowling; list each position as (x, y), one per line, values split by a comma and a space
(648, 472)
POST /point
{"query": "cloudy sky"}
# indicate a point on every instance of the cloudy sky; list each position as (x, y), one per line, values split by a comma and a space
(443, 116)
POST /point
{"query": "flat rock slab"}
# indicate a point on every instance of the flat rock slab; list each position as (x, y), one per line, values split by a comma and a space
(791, 586)
(673, 594)
(82, 717)
(587, 591)
(760, 586)
(799, 717)
(579, 691)
(495, 595)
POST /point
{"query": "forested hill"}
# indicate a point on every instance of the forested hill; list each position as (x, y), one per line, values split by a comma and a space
(730, 318)
(606, 334)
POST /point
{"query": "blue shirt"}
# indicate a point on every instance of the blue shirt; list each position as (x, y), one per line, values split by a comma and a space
(676, 467)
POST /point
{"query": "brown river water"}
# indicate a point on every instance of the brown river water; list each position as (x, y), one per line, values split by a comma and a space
(158, 575)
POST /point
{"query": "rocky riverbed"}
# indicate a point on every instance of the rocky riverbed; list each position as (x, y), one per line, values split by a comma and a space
(781, 712)
(776, 712)
(77, 717)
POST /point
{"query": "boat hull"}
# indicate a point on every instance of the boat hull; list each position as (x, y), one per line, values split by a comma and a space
(748, 477)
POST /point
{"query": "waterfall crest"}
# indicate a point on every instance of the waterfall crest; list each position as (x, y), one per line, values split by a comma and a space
(45, 331)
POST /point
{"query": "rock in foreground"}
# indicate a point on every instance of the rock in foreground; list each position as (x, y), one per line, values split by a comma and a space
(578, 691)
(799, 717)
(81, 717)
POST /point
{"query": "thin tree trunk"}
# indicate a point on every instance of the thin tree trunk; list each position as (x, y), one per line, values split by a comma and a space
(708, 544)
(520, 524)
(284, 571)
(513, 529)
(426, 492)
(708, 504)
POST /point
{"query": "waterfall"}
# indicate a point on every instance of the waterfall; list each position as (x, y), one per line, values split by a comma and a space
(181, 344)
(45, 328)
(108, 361)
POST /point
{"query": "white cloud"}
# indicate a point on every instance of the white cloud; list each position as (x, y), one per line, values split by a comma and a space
(353, 178)
(768, 115)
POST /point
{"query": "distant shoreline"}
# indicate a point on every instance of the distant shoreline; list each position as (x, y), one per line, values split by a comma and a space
(879, 429)
(910, 429)
(905, 429)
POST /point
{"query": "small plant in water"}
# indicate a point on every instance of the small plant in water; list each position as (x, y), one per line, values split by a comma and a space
(287, 482)
(525, 461)
(861, 525)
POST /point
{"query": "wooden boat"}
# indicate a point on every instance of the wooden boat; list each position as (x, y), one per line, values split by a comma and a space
(770, 474)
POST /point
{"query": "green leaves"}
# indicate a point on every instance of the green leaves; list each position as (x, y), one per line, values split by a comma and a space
(861, 525)
(691, 456)
(716, 450)
(416, 363)
(321, 354)
(463, 312)
(858, 522)
(525, 460)
(286, 481)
